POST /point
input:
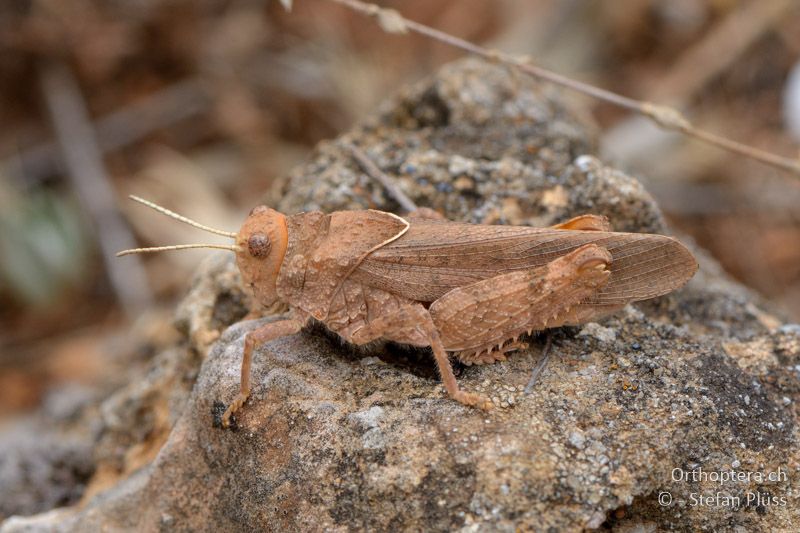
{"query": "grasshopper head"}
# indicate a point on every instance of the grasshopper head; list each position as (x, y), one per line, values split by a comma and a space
(261, 243)
(260, 246)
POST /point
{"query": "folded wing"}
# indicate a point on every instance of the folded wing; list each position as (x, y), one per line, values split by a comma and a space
(434, 257)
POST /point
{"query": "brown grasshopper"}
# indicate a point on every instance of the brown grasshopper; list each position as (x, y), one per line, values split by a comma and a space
(469, 290)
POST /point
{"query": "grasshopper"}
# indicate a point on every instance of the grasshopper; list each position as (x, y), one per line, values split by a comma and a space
(466, 290)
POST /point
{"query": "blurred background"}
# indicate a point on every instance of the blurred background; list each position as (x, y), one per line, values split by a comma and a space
(204, 105)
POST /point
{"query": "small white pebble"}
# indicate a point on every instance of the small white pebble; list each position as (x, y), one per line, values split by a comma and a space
(791, 102)
(585, 162)
(577, 439)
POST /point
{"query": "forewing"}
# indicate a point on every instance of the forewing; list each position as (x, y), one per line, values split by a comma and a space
(434, 257)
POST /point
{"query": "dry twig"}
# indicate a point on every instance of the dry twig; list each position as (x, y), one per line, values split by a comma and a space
(117, 129)
(719, 49)
(386, 182)
(666, 117)
(84, 163)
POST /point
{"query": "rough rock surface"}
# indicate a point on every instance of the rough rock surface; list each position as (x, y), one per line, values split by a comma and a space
(43, 465)
(336, 438)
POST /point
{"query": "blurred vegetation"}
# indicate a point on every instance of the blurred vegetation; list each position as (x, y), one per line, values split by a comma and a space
(44, 247)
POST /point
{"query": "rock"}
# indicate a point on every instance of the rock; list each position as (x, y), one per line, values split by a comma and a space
(527, 165)
(593, 329)
(42, 466)
(338, 438)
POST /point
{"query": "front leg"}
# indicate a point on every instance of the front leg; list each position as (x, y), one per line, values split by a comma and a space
(412, 324)
(254, 339)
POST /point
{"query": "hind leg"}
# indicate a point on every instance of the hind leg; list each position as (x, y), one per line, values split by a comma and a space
(481, 321)
(469, 357)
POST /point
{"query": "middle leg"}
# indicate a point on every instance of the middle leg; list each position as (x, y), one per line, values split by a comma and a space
(412, 324)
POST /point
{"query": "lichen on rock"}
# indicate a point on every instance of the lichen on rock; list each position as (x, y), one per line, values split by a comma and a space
(338, 438)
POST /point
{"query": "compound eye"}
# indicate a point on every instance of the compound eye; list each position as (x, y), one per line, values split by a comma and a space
(258, 245)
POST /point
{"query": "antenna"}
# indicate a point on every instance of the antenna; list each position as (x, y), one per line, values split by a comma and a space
(185, 220)
(177, 247)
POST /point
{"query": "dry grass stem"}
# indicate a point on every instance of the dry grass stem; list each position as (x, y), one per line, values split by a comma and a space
(666, 117)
